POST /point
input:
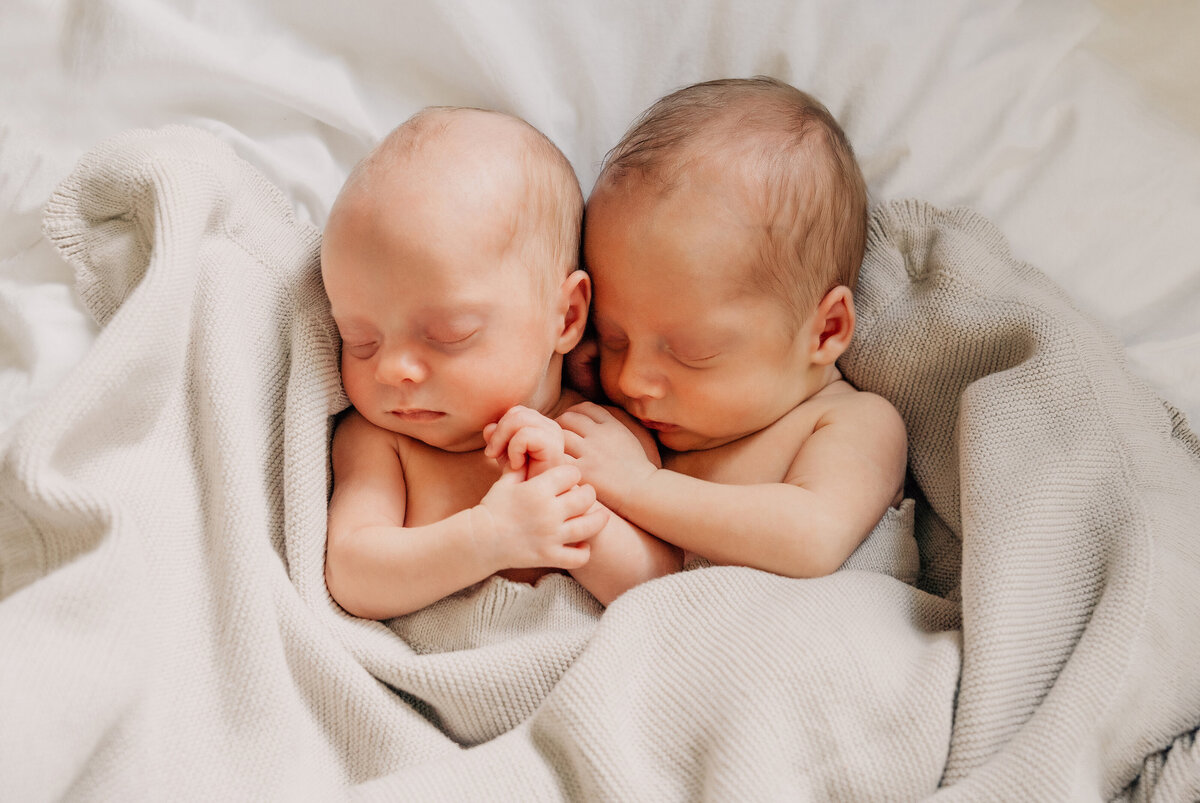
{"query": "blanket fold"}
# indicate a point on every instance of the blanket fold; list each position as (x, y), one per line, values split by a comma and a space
(162, 522)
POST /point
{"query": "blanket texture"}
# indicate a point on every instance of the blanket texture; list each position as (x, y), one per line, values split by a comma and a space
(167, 633)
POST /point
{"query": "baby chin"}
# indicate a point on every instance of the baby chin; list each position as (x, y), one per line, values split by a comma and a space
(435, 428)
(678, 439)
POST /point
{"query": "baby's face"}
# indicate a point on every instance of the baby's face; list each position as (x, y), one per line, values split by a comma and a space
(685, 346)
(443, 330)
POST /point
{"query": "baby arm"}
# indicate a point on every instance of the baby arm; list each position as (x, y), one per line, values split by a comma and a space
(837, 488)
(622, 554)
(377, 568)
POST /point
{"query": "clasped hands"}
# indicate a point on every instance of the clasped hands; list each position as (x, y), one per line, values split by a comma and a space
(543, 510)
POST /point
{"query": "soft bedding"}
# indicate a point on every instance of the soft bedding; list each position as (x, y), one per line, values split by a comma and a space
(164, 520)
(168, 372)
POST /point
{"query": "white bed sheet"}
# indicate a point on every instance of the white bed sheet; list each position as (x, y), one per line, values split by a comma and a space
(1072, 125)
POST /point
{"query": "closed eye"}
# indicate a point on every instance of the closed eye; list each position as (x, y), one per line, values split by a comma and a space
(360, 351)
(453, 339)
(696, 362)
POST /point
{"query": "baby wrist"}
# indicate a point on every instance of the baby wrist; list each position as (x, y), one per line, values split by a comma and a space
(637, 485)
(484, 533)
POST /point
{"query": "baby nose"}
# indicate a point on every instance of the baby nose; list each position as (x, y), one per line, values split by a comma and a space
(638, 379)
(398, 366)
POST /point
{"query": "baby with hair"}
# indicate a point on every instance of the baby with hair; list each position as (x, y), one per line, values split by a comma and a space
(724, 237)
(450, 259)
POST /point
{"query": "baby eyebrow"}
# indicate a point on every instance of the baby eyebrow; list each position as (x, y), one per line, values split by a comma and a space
(455, 319)
(354, 330)
(692, 342)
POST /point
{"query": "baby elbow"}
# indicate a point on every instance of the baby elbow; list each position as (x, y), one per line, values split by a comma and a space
(340, 590)
(826, 562)
(333, 585)
(819, 550)
(813, 563)
(837, 549)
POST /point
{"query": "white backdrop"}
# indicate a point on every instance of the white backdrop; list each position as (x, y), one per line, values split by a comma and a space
(1072, 126)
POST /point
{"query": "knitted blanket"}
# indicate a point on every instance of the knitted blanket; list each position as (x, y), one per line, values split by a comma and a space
(167, 633)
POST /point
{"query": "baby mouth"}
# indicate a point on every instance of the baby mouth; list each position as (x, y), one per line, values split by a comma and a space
(658, 426)
(417, 416)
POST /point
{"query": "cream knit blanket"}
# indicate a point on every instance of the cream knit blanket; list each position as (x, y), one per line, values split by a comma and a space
(165, 632)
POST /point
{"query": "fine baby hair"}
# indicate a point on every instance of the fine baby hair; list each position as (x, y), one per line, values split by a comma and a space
(800, 167)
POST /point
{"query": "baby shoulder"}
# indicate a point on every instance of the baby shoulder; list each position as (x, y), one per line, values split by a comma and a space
(352, 426)
(875, 407)
(869, 414)
(354, 436)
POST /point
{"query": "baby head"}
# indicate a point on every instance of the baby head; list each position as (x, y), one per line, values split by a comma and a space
(451, 264)
(724, 237)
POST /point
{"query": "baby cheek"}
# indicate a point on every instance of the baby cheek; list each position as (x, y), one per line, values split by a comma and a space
(610, 371)
(490, 391)
(358, 385)
(721, 401)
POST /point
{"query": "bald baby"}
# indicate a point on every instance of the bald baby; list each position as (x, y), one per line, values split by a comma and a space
(497, 172)
(451, 264)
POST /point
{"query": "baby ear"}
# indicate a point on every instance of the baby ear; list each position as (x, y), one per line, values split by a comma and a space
(574, 298)
(832, 325)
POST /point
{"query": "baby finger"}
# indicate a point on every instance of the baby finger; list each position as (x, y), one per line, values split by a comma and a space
(559, 479)
(503, 430)
(590, 411)
(576, 422)
(589, 525)
(573, 556)
(572, 443)
(519, 445)
(578, 500)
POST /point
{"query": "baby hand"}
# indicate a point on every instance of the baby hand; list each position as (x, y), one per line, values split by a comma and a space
(541, 522)
(609, 455)
(523, 434)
